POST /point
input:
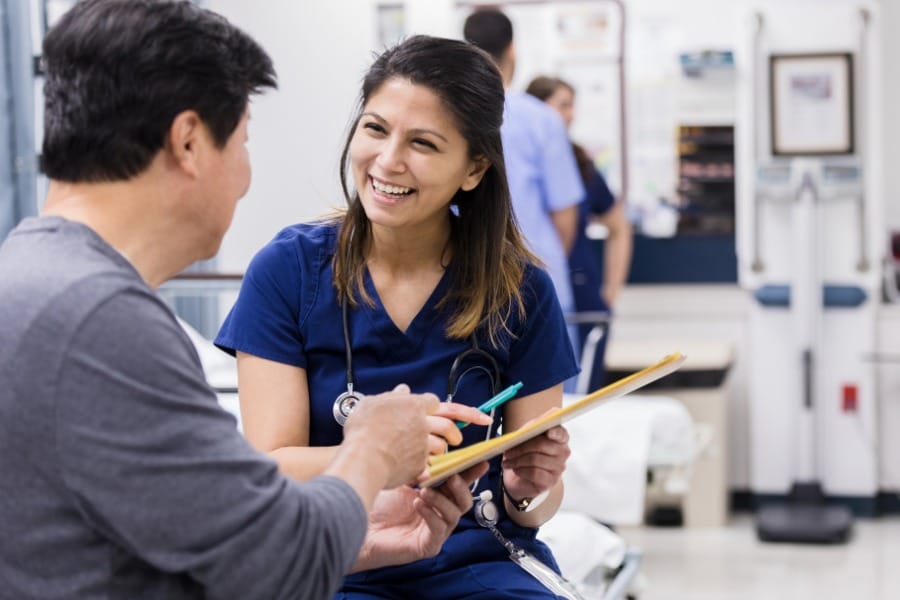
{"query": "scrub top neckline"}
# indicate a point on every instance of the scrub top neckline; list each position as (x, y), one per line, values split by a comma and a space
(398, 341)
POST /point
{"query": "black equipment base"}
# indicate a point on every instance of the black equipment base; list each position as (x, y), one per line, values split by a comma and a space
(804, 519)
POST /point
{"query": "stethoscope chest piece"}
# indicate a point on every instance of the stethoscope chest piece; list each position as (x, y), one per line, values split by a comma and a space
(344, 405)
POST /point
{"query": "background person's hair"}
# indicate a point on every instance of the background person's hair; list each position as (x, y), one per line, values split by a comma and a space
(488, 252)
(119, 71)
(542, 87)
(490, 30)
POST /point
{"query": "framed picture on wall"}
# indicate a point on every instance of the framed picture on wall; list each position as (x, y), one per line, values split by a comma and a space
(811, 104)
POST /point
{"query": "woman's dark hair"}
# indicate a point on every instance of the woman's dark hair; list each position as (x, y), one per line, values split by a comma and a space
(119, 71)
(488, 252)
(542, 87)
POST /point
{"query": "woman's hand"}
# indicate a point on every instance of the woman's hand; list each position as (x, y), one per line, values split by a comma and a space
(407, 524)
(536, 465)
(442, 424)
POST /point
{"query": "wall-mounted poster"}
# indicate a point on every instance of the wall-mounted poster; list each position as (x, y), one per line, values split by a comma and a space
(391, 20)
(811, 104)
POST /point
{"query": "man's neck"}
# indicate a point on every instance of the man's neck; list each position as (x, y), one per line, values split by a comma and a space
(122, 214)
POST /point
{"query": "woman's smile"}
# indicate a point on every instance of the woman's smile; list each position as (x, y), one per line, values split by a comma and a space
(387, 192)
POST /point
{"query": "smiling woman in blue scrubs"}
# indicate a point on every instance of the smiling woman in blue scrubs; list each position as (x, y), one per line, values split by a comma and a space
(429, 263)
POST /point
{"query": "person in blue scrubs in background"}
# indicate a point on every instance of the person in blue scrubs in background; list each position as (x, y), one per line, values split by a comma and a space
(544, 183)
(429, 263)
(594, 288)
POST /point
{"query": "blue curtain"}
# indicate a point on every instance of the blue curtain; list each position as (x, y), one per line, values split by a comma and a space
(18, 162)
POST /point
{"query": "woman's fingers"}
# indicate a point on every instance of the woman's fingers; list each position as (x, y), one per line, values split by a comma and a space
(461, 412)
(472, 473)
(539, 463)
(553, 442)
(436, 444)
(445, 429)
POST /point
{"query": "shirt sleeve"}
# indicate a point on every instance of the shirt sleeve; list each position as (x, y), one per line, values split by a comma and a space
(599, 197)
(265, 319)
(561, 180)
(157, 467)
(542, 355)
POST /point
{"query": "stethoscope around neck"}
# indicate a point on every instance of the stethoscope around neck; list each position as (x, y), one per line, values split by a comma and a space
(347, 400)
(484, 509)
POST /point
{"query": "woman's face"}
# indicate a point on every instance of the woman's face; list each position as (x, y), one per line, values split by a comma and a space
(563, 100)
(407, 157)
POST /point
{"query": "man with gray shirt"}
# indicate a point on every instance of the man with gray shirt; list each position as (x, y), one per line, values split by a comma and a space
(121, 476)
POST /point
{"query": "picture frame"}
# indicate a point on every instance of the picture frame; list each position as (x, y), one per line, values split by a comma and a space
(811, 104)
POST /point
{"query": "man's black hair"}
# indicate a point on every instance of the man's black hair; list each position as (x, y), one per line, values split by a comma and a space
(490, 30)
(119, 71)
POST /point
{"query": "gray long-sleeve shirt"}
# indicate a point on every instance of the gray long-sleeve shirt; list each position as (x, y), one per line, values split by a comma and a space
(120, 476)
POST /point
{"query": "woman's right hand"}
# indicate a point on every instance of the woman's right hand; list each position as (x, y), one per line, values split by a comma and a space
(443, 431)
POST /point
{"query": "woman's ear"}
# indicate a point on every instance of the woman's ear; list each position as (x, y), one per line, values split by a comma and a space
(477, 168)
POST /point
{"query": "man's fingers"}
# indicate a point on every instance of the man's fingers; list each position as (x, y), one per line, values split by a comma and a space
(431, 403)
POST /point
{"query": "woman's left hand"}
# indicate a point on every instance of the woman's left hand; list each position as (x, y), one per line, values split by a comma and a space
(536, 465)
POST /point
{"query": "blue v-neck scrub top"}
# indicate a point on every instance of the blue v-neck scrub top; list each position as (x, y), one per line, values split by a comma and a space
(287, 311)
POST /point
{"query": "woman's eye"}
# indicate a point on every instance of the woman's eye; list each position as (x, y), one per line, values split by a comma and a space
(373, 127)
(425, 143)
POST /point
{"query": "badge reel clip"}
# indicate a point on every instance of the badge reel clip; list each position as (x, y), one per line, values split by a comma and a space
(487, 515)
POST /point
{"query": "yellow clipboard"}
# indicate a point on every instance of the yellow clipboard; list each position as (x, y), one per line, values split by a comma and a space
(442, 466)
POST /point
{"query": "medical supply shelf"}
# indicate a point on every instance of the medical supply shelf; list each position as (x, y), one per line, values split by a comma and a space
(706, 188)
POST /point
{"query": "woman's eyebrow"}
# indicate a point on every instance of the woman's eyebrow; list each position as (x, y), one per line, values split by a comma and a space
(418, 131)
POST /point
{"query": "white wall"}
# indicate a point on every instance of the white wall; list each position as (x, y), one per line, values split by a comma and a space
(890, 14)
(320, 50)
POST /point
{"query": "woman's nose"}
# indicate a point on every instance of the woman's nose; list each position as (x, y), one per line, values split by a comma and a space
(391, 157)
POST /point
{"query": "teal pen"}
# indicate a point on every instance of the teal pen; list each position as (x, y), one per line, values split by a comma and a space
(496, 401)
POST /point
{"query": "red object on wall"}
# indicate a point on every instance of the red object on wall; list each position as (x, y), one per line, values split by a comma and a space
(849, 398)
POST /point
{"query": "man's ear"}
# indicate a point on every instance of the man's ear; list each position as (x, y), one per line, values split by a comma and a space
(187, 137)
(477, 168)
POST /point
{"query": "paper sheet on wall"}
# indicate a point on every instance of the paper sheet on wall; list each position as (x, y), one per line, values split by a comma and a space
(444, 465)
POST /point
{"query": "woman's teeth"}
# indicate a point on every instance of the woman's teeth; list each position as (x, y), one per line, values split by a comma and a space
(393, 190)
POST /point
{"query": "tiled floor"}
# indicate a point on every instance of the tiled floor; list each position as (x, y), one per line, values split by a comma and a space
(730, 563)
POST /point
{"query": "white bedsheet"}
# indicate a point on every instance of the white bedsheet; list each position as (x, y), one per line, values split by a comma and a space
(612, 447)
(581, 544)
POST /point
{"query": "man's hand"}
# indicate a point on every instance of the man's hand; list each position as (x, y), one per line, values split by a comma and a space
(407, 525)
(389, 433)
